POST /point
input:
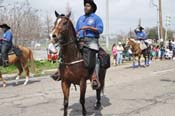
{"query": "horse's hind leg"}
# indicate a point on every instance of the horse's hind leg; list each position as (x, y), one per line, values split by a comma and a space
(82, 96)
(27, 75)
(65, 88)
(98, 97)
(145, 61)
(26, 68)
(102, 74)
(148, 63)
(20, 69)
(139, 64)
(134, 59)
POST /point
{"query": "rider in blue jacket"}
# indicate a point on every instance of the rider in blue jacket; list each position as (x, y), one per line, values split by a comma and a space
(140, 33)
(6, 43)
(89, 27)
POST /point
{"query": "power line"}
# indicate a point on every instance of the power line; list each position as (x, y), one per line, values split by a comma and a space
(161, 21)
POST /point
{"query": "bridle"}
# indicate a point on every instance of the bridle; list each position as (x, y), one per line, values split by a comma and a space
(62, 42)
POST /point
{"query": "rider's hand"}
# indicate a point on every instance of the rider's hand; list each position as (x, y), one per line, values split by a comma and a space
(85, 28)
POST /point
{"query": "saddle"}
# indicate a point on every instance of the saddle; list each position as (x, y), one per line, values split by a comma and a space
(104, 59)
(142, 44)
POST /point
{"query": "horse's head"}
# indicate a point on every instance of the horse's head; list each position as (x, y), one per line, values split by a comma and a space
(130, 42)
(61, 28)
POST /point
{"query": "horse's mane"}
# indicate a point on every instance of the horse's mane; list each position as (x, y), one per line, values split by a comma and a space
(74, 32)
(133, 40)
(74, 37)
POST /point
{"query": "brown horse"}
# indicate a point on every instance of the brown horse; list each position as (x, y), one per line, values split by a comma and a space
(21, 63)
(138, 52)
(72, 69)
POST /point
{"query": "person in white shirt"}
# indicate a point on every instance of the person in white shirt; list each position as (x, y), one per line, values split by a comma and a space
(52, 48)
(119, 53)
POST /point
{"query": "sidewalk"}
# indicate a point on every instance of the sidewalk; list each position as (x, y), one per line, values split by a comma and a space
(43, 73)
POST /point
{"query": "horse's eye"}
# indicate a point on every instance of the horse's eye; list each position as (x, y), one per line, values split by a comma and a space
(65, 23)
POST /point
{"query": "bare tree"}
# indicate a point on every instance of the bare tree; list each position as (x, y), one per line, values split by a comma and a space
(48, 23)
(25, 22)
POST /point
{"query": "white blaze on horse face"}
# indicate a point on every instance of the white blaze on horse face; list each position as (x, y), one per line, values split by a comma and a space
(53, 32)
(51, 36)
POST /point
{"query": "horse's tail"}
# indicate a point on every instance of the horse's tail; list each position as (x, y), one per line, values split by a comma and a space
(31, 60)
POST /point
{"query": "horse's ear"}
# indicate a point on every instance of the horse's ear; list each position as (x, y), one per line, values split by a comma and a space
(69, 14)
(57, 14)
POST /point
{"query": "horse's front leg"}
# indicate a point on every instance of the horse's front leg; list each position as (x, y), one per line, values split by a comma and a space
(65, 89)
(1, 79)
(139, 63)
(98, 97)
(82, 95)
(133, 64)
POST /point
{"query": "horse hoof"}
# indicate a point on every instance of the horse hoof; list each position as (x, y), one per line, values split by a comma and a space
(133, 66)
(84, 113)
(97, 106)
(95, 85)
(25, 83)
(4, 85)
(65, 113)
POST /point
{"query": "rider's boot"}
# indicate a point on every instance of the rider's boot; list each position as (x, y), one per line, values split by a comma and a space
(5, 63)
(56, 76)
(95, 76)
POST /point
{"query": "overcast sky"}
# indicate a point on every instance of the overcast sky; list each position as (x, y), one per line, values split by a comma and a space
(124, 14)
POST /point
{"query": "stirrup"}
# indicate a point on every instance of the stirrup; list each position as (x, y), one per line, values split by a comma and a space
(56, 77)
(5, 64)
(95, 84)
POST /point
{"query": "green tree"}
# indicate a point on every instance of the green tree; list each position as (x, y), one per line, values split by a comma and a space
(152, 33)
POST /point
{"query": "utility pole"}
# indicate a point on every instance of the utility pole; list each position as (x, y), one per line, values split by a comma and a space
(107, 23)
(140, 22)
(161, 22)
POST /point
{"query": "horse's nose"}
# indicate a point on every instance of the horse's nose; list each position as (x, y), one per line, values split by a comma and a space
(54, 36)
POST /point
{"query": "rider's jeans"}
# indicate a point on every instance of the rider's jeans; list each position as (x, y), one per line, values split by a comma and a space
(119, 58)
(6, 46)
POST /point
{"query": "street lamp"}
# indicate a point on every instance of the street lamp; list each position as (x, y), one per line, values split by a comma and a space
(168, 21)
(0, 11)
(157, 8)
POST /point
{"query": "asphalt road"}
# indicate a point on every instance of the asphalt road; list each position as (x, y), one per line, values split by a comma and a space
(128, 92)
